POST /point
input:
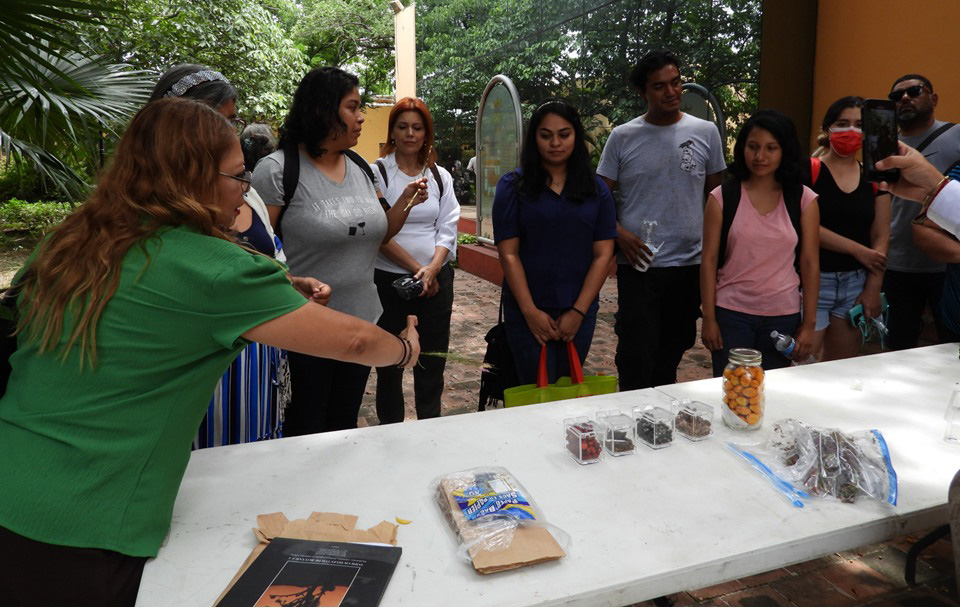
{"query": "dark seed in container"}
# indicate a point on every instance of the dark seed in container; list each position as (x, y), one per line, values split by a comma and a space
(655, 433)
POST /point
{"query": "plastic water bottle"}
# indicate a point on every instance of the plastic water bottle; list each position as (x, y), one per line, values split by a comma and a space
(784, 344)
(648, 231)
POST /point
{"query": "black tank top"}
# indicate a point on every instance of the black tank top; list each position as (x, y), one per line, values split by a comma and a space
(848, 214)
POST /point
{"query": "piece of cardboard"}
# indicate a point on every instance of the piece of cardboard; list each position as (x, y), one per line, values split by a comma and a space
(529, 545)
(334, 527)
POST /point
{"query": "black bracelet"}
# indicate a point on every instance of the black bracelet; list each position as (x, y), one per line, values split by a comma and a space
(407, 352)
(403, 355)
(577, 310)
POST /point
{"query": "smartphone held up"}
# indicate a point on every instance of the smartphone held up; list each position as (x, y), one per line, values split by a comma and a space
(879, 138)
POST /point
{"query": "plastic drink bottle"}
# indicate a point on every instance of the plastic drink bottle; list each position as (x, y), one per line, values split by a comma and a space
(784, 344)
(648, 230)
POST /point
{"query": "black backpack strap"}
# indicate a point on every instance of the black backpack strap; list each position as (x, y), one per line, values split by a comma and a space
(730, 191)
(930, 138)
(792, 196)
(436, 176)
(356, 158)
(291, 177)
(383, 173)
(360, 162)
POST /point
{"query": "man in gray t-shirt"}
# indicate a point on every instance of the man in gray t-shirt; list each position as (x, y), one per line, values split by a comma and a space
(912, 280)
(663, 162)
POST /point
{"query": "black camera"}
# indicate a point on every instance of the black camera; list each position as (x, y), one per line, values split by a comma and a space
(408, 287)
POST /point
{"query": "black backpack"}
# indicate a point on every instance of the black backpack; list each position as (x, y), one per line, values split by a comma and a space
(731, 201)
(9, 317)
(291, 177)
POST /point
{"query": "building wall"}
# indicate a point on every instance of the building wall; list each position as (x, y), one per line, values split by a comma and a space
(374, 133)
(864, 45)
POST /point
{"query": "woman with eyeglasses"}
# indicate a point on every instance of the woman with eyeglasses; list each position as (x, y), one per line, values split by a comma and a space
(248, 402)
(854, 233)
(129, 312)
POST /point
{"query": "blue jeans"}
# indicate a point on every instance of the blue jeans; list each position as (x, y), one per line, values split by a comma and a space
(526, 349)
(838, 294)
(742, 330)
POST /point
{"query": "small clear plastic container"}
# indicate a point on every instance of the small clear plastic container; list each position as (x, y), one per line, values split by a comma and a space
(582, 442)
(693, 420)
(654, 426)
(617, 433)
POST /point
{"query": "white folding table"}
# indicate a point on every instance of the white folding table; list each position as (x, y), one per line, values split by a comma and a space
(642, 525)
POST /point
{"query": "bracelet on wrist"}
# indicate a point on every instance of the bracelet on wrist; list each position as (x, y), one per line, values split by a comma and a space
(933, 194)
(407, 352)
(577, 310)
(403, 352)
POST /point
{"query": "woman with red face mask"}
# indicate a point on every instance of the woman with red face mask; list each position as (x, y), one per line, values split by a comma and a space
(854, 232)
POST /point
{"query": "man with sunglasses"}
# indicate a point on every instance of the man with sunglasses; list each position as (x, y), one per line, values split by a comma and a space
(912, 280)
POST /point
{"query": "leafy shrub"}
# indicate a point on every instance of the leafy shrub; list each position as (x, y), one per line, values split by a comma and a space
(28, 221)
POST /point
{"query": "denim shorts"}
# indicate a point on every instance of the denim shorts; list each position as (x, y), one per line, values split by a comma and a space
(838, 294)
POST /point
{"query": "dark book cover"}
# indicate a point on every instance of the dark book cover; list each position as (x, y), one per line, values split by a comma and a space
(296, 572)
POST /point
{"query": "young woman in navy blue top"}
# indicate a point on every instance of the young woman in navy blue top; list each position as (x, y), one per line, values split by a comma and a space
(554, 223)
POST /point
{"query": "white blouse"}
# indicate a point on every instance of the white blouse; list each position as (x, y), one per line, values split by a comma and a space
(431, 224)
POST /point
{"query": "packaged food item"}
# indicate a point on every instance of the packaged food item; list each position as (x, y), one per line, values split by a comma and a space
(581, 437)
(694, 419)
(829, 462)
(617, 432)
(499, 525)
(654, 426)
(743, 390)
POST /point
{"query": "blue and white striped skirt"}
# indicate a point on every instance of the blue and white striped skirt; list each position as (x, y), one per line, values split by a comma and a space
(249, 400)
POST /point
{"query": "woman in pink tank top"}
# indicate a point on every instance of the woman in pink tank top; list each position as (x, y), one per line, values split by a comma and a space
(768, 270)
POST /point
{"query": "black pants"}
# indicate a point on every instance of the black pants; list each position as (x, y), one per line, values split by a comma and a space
(907, 294)
(433, 326)
(656, 322)
(37, 574)
(325, 395)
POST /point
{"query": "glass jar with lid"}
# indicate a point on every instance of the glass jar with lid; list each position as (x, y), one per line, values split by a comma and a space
(743, 394)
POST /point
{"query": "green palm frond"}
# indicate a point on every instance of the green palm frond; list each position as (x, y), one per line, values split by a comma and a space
(81, 100)
(26, 25)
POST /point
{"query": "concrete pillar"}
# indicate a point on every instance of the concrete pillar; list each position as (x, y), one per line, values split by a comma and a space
(405, 36)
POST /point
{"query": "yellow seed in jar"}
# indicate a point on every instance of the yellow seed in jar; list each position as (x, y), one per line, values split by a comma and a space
(755, 408)
(754, 400)
(755, 383)
(727, 385)
(739, 371)
(745, 380)
(728, 374)
(741, 401)
(732, 405)
(753, 418)
(743, 411)
(749, 392)
(758, 373)
(738, 389)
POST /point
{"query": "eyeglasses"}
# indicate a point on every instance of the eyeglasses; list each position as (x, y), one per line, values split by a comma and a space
(244, 179)
(913, 92)
(238, 123)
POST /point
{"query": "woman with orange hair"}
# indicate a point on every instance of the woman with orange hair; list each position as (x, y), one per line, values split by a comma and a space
(422, 248)
(129, 313)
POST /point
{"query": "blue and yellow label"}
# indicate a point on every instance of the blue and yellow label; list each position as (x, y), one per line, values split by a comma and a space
(492, 498)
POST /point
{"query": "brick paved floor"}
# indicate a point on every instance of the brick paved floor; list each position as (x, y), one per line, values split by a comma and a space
(869, 576)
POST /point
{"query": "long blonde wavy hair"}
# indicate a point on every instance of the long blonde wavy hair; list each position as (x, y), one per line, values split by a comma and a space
(165, 172)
